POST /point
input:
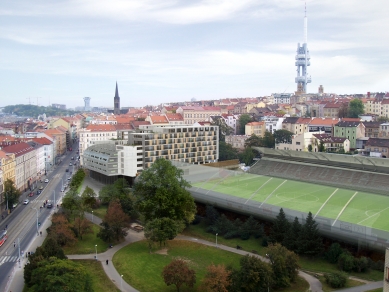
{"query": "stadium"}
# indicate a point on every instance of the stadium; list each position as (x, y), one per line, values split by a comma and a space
(347, 195)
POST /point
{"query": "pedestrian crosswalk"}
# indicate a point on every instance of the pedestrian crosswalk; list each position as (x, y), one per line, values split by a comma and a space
(8, 259)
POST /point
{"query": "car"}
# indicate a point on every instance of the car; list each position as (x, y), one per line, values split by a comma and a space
(49, 206)
(41, 188)
(26, 201)
(69, 178)
(67, 170)
(14, 205)
(70, 164)
(46, 180)
(31, 194)
(63, 189)
(38, 192)
(72, 158)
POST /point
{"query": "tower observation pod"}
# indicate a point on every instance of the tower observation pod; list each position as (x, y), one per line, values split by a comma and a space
(303, 61)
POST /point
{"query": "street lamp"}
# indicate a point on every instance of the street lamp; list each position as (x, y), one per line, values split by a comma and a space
(37, 231)
(92, 216)
(121, 282)
(96, 252)
(216, 238)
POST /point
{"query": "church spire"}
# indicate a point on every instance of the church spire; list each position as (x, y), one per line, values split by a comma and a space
(116, 101)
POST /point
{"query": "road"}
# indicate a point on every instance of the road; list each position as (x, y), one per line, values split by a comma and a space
(23, 224)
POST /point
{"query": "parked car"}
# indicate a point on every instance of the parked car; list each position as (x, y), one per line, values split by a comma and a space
(67, 170)
(63, 189)
(72, 158)
(31, 194)
(41, 188)
(26, 201)
(49, 206)
(69, 178)
(38, 192)
(70, 164)
(46, 180)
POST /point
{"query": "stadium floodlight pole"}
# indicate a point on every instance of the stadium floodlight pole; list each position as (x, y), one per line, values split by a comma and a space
(37, 231)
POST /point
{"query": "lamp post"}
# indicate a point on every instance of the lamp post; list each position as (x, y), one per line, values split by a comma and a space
(216, 238)
(121, 282)
(92, 216)
(96, 252)
(37, 231)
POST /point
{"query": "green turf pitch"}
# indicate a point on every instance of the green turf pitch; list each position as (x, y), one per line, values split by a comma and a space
(361, 208)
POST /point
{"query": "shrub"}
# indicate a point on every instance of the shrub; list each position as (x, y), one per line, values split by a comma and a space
(346, 262)
(265, 241)
(333, 253)
(197, 220)
(245, 235)
(378, 266)
(336, 279)
(361, 264)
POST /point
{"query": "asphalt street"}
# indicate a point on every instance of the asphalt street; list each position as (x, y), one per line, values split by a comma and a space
(26, 222)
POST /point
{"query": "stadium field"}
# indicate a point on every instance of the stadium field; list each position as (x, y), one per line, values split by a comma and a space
(366, 209)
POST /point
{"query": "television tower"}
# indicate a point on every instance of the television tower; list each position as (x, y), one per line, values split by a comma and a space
(302, 60)
(87, 104)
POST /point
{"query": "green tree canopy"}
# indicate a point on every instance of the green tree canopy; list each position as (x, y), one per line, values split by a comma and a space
(280, 228)
(268, 140)
(162, 229)
(253, 141)
(355, 108)
(10, 193)
(243, 120)
(282, 136)
(310, 242)
(29, 110)
(160, 192)
(227, 152)
(61, 276)
(248, 155)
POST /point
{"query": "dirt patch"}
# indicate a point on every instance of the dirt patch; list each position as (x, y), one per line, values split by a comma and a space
(162, 251)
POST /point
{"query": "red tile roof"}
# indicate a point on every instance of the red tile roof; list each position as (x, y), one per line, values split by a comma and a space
(19, 149)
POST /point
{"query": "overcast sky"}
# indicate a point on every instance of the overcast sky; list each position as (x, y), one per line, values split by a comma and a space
(174, 50)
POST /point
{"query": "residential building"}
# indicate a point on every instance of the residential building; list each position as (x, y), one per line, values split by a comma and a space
(194, 114)
(273, 122)
(60, 137)
(331, 144)
(351, 130)
(376, 147)
(237, 141)
(256, 128)
(372, 129)
(25, 168)
(384, 131)
(283, 98)
(325, 125)
(48, 152)
(40, 158)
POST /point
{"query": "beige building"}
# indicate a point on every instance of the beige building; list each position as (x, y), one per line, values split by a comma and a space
(195, 114)
(7, 168)
(25, 167)
(237, 141)
(60, 140)
(256, 128)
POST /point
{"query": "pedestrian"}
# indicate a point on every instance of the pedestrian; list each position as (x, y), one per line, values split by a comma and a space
(14, 244)
(6, 226)
(41, 233)
(107, 262)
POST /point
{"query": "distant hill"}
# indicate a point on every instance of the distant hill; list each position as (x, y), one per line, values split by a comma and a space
(29, 110)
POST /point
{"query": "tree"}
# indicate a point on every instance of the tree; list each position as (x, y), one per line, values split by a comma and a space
(321, 147)
(88, 198)
(333, 253)
(268, 140)
(253, 276)
(310, 242)
(117, 220)
(161, 192)
(248, 155)
(292, 235)
(83, 226)
(178, 273)
(226, 151)
(61, 231)
(253, 141)
(217, 279)
(11, 193)
(280, 228)
(243, 120)
(60, 275)
(224, 129)
(72, 203)
(284, 264)
(355, 108)
(282, 136)
(161, 229)
(310, 148)
(211, 214)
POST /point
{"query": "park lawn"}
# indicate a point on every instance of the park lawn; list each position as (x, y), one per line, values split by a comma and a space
(142, 270)
(349, 284)
(87, 244)
(198, 231)
(100, 280)
(100, 212)
(375, 290)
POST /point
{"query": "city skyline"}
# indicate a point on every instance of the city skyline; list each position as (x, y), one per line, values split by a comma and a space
(173, 51)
